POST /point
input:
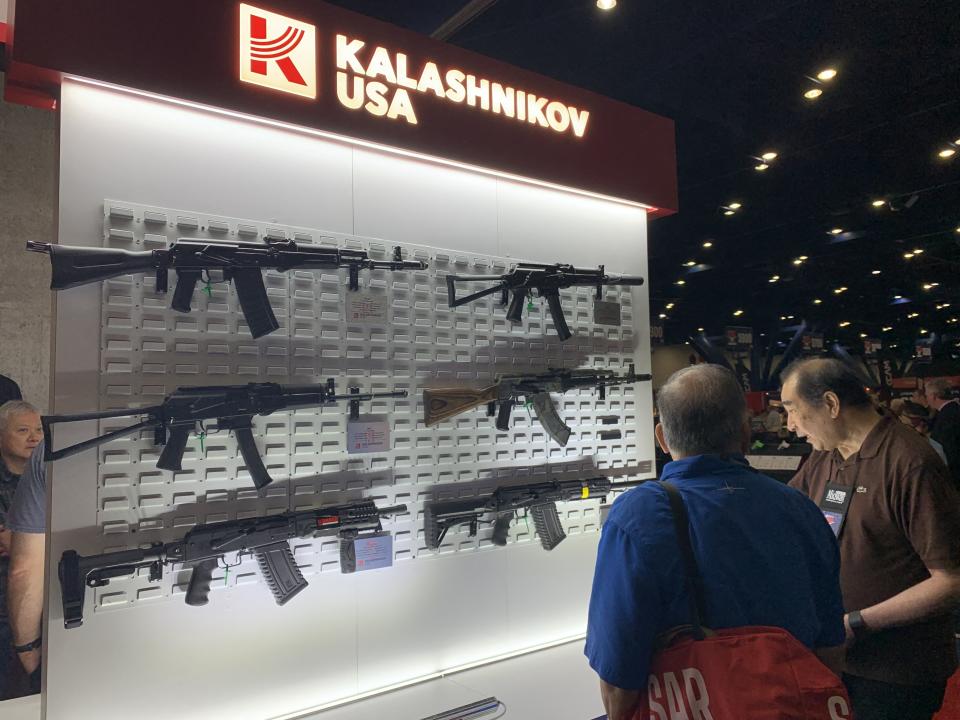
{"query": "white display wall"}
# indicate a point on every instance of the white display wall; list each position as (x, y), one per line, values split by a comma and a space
(141, 650)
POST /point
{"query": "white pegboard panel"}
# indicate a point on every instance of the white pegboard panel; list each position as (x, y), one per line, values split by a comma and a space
(148, 350)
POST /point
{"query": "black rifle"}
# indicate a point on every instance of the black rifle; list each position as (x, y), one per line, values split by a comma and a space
(539, 499)
(443, 403)
(241, 262)
(205, 546)
(546, 280)
(231, 406)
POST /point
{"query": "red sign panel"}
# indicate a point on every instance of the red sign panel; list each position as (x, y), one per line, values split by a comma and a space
(318, 66)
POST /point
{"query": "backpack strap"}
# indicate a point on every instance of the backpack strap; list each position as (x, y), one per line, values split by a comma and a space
(695, 587)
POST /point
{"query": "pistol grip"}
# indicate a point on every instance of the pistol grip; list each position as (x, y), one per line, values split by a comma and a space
(183, 292)
(515, 311)
(172, 456)
(503, 414)
(72, 589)
(501, 528)
(198, 591)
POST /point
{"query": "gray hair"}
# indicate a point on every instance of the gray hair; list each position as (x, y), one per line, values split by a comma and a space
(940, 388)
(817, 376)
(14, 407)
(702, 411)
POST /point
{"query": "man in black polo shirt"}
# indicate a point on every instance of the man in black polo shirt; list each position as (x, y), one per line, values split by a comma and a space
(889, 499)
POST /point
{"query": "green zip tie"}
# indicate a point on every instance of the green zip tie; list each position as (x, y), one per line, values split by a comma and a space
(226, 574)
(208, 289)
(200, 436)
(530, 306)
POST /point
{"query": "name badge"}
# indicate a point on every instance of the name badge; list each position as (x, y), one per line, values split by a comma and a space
(834, 505)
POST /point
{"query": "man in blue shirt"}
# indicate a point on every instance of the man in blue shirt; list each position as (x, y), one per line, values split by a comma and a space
(766, 554)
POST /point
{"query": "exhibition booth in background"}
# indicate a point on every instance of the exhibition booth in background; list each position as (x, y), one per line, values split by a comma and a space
(296, 120)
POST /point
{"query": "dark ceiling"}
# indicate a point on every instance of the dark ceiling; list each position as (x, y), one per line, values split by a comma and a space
(733, 76)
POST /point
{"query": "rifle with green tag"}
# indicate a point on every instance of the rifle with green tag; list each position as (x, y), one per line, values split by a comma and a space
(204, 547)
(443, 403)
(230, 407)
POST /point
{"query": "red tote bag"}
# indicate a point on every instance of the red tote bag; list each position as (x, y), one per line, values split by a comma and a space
(746, 673)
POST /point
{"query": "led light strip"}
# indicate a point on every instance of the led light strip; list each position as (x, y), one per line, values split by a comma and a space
(361, 143)
(432, 676)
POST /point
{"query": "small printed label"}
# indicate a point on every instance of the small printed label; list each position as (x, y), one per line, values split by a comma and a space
(366, 308)
(373, 551)
(364, 436)
(606, 313)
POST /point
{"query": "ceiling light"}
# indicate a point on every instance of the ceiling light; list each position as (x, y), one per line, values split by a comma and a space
(734, 206)
(670, 306)
(728, 212)
(761, 167)
(817, 301)
(804, 258)
(839, 290)
(863, 335)
(783, 317)
(879, 203)
(681, 282)
(774, 279)
(947, 153)
(957, 229)
(827, 74)
(662, 316)
(874, 272)
(813, 93)
(690, 263)
(897, 297)
(836, 231)
(699, 329)
(918, 251)
(606, 4)
(907, 256)
(923, 331)
(737, 313)
(912, 315)
(768, 156)
(709, 244)
(886, 329)
(798, 261)
(845, 323)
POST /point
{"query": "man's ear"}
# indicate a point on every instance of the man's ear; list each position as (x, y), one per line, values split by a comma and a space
(661, 440)
(832, 403)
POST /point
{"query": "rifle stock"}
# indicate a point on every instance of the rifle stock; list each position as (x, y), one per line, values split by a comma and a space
(442, 404)
(75, 266)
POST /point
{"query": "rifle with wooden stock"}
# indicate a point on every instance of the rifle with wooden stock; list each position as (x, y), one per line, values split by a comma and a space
(441, 404)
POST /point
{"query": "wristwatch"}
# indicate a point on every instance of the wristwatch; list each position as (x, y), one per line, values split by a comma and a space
(857, 625)
(32, 645)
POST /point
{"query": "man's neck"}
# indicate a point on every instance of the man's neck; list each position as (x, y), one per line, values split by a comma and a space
(858, 424)
(938, 404)
(14, 465)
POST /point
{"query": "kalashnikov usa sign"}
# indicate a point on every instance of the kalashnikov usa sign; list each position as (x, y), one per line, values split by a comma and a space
(318, 66)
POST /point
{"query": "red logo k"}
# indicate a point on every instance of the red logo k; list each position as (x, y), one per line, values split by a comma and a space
(277, 52)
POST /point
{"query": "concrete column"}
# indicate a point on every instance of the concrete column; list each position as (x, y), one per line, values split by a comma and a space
(28, 199)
